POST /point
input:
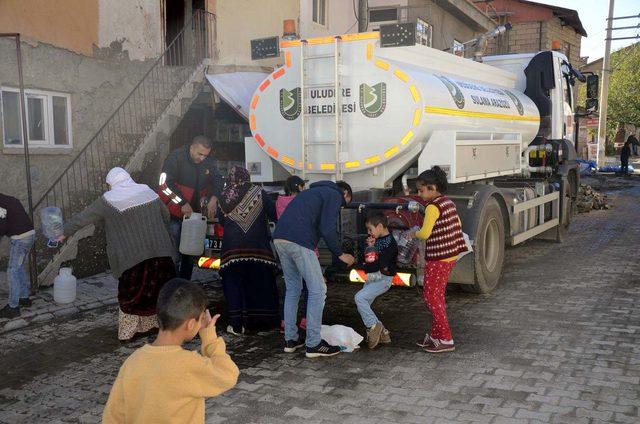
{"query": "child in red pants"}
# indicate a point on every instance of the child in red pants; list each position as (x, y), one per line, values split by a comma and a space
(444, 242)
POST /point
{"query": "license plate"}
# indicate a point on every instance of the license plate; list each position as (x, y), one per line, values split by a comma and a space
(213, 244)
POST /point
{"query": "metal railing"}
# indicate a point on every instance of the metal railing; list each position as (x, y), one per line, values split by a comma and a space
(83, 179)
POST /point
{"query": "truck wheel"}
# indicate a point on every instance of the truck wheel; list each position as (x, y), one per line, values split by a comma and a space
(489, 249)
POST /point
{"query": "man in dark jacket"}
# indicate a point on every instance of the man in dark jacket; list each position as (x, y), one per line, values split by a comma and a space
(312, 215)
(188, 176)
(16, 224)
(625, 153)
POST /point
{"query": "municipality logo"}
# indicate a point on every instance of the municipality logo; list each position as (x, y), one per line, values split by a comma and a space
(373, 99)
(290, 103)
(516, 101)
(454, 90)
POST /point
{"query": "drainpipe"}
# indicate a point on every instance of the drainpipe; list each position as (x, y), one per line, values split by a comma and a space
(25, 143)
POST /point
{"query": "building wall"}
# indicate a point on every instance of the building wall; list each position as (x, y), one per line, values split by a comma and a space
(446, 27)
(554, 30)
(96, 87)
(137, 25)
(340, 19)
(70, 24)
(240, 21)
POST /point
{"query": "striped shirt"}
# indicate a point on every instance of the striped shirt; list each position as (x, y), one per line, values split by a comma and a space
(446, 238)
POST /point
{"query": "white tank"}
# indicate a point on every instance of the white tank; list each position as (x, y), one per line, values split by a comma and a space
(194, 230)
(64, 286)
(397, 105)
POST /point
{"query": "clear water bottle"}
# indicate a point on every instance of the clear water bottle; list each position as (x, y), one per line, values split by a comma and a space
(407, 246)
(52, 224)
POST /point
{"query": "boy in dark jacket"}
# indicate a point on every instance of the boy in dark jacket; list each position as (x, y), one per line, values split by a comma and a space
(312, 215)
(16, 224)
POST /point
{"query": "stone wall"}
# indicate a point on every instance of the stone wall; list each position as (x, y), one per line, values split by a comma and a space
(96, 86)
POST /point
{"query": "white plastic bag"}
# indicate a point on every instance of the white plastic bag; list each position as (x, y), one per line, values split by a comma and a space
(339, 335)
(467, 243)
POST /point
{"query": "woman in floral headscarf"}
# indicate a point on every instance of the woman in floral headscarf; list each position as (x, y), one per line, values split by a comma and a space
(247, 264)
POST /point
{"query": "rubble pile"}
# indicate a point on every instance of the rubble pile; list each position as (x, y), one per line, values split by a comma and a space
(590, 199)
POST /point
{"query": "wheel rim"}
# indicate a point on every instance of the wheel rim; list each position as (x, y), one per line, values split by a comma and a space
(491, 245)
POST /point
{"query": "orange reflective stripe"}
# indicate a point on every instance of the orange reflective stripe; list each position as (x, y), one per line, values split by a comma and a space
(287, 59)
(289, 161)
(290, 43)
(254, 102)
(259, 139)
(277, 74)
(264, 85)
(273, 152)
(252, 121)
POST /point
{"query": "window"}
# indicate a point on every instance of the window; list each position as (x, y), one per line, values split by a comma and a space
(320, 12)
(383, 15)
(424, 32)
(48, 118)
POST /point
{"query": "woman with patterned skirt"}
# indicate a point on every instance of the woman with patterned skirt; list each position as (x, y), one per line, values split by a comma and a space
(247, 264)
(139, 247)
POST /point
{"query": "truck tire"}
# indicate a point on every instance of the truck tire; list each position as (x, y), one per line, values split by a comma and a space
(489, 249)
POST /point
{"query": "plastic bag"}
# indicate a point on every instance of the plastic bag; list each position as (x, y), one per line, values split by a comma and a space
(339, 335)
(407, 245)
(468, 244)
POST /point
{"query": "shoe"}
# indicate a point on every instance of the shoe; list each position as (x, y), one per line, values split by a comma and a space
(290, 346)
(26, 302)
(385, 336)
(303, 324)
(235, 332)
(373, 335)
(436, 346)
(9, 312)
(322, 349)
(425, 342)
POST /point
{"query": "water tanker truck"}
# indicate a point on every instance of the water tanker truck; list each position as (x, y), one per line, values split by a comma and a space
(345, 108)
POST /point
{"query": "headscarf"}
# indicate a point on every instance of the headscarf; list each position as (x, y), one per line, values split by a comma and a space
(238, 184)
(126, 193)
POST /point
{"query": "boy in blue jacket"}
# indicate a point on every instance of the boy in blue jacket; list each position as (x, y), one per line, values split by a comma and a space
(312, 215)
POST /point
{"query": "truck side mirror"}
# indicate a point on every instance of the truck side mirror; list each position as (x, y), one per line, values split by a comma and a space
(592, 92)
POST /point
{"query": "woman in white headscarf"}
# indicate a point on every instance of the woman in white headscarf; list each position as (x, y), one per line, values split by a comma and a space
(139, 247)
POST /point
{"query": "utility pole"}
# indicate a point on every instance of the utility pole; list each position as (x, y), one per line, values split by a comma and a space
(604, 91)
(363, 15)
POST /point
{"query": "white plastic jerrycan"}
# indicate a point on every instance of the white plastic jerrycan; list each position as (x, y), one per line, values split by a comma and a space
(194, 230)
(64, 286)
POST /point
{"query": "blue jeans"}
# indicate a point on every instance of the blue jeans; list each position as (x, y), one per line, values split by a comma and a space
(19, 281)
(301, 263)
(184, 263)
(375, 285)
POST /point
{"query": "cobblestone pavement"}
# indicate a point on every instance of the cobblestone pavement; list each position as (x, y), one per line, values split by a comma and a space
(558, 341)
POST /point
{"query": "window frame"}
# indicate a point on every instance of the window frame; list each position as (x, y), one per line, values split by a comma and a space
(424, 22)
(315, 10)
(48, 130)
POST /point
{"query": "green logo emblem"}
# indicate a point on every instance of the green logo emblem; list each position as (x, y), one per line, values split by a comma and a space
(515, 101)
(454, 90)
(290, 103)
(373, 99)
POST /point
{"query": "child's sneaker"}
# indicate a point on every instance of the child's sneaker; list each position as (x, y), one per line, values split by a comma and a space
(373, 335)
(425, 342)
(385, 336)
(303, 324)
(290, 346)
(322, 349)
(436, 346)
(235, 331)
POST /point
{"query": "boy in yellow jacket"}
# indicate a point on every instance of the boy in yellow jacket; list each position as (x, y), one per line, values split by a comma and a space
(164, 383)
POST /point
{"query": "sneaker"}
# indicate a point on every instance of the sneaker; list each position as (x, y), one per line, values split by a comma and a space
(303, 324)
(436, 346)
(9, 312)
(26, 302)
(322, 349)
(425, 342)
(235, 331)
(385, 336)
(290, 346)
(373, 335)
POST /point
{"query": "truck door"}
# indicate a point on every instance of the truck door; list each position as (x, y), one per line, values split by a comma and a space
(567, 102)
